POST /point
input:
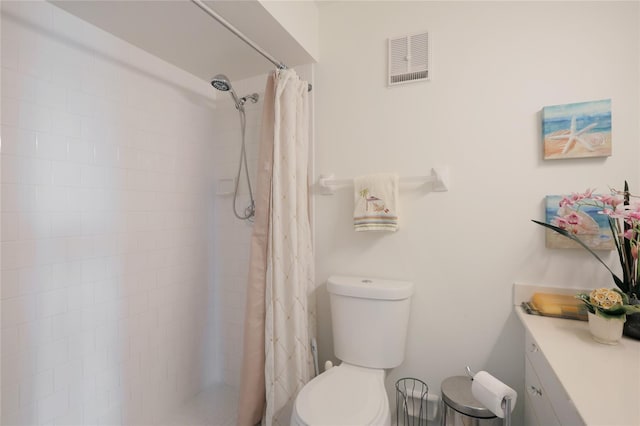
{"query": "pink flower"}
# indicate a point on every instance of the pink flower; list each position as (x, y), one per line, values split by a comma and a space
(609, 200)
(573, 218)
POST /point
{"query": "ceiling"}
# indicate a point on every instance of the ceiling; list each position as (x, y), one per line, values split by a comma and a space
(181, 33)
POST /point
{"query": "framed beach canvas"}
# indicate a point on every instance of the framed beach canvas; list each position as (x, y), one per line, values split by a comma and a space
(593, 229)
(577, 130)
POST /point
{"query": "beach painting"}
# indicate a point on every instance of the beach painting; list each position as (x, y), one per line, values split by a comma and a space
(593, 228)
(577, 130)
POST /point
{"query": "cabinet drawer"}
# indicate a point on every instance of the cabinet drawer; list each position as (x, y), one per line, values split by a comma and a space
(537, 396)
(562, 406)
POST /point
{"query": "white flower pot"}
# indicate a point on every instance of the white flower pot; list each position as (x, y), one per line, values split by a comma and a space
(606, 330)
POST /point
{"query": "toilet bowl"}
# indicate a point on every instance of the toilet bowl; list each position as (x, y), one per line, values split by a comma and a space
(369, 323)
(345, 395)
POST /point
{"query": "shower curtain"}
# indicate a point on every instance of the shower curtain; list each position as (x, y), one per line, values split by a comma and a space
(280, 312)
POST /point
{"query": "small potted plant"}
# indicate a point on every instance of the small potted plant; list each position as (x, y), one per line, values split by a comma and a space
(608, 309)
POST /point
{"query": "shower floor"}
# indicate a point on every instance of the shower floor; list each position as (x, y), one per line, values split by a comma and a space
(215, 406)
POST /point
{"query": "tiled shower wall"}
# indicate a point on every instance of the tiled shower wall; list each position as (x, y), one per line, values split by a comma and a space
(107, 187)
(232, 236)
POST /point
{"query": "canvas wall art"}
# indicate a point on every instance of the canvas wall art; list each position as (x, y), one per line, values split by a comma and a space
(577, 130)
(593, 228)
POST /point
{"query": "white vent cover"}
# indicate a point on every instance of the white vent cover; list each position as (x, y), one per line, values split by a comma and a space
(409, 59)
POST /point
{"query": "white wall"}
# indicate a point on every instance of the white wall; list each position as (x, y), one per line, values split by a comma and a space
(300, 20)
(495, 65)
(106, 179)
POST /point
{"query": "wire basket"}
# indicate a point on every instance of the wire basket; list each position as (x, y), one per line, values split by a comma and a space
(411, 402)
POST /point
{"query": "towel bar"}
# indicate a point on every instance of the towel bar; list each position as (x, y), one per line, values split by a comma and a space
(439, 179)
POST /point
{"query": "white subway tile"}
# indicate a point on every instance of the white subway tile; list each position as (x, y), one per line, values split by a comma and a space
(65, 224)
(10, 398)
(9, 49)
(82, 344)
(36, 387)
(81, 296)
(73, 417)
(18, 86)
(10, 222)
(10, 112)
(35, 279)
(81, 103)
(46, 252)
(52, 406)
(34, 117)
(34, 226)
(66, 174)
(68, 374)
(52, 354)
(10, 282)
(18, 254)
(18, 198)
(49, 94)
(114, 278)
(65, 124)
(16, 141)
(66, 324)
(66, 274)
(53, 303)
(51, 198)
(51, 147)
(23, 416)
(79, 150)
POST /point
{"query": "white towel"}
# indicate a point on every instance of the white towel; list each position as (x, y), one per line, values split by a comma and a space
(376, 199)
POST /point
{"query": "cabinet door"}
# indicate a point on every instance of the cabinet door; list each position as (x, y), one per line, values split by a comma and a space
(538, 397)
(530, 418)
(563, 407)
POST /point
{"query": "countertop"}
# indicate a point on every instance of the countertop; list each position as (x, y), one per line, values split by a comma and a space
(603, 381)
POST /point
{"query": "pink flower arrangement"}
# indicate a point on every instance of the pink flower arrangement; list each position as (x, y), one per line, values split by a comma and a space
(624, 222)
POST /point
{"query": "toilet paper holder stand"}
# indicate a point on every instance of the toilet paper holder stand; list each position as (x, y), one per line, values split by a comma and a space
(506, 401)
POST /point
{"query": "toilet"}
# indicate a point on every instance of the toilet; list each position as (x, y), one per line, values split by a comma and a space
(370, 318)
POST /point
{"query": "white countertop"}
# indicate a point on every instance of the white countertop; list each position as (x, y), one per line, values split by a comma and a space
(603, 381)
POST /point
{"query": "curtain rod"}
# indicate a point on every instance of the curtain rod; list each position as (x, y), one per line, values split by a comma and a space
(240, 35)
(237, 32)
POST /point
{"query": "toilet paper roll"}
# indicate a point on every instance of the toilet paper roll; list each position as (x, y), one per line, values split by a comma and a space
(491, 392)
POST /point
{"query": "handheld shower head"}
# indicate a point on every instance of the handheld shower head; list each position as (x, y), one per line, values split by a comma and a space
(221, 82)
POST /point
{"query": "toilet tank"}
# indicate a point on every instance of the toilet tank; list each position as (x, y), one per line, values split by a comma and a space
(369, 320)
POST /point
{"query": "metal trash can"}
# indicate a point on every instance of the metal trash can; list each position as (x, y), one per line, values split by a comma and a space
(461, 408)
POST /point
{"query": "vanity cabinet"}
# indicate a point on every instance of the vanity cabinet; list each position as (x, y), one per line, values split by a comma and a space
(572, 380)
(546, 402)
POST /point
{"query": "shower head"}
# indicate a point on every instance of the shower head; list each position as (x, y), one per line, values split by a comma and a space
(222, 83)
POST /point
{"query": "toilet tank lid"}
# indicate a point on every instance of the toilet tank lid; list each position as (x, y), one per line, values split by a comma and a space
(369, 288)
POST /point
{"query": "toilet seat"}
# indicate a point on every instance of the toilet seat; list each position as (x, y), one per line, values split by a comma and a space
(343, 395)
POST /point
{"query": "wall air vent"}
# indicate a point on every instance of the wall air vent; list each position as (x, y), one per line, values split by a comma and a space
(409, 59)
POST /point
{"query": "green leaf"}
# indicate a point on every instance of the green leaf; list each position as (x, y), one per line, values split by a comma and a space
(619, 315)
(631, 309)
(571, 236)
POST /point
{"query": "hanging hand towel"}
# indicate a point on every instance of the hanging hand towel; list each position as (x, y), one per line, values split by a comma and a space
(376, 199)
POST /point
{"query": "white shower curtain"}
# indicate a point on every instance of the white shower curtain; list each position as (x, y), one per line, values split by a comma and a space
(288, 360)
(280, 306)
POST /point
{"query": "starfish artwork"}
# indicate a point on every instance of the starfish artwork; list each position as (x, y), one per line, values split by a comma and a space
(577, 130)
